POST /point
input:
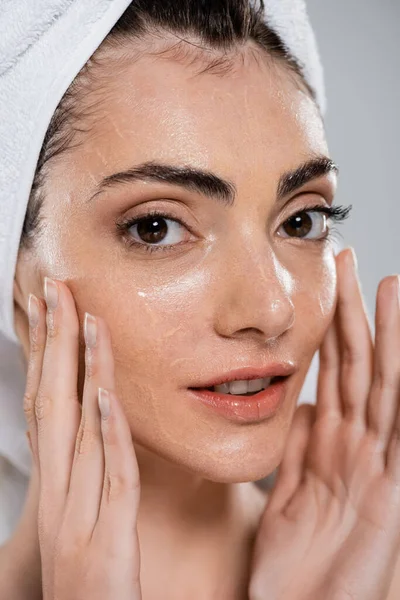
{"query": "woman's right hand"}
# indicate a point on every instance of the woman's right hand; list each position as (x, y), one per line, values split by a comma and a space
(88, 474)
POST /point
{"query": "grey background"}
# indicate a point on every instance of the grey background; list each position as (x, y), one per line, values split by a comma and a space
(359, 43)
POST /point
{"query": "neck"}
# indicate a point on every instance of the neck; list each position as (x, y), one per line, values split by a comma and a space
(211, 525)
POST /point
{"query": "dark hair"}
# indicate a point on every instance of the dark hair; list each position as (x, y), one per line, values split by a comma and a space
(218, 25)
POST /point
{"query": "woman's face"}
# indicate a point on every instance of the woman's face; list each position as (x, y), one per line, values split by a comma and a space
(219, 283)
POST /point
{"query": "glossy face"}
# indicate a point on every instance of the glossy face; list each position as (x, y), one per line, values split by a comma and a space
(234, 288)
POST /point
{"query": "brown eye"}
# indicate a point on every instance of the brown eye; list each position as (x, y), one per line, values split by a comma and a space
(152, 230)
(306, 224)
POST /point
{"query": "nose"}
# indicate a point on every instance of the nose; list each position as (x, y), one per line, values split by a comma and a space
(255, 298)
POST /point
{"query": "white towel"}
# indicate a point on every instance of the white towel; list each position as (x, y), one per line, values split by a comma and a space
(43, 46)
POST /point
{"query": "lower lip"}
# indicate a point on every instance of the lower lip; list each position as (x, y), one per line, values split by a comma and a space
(249, 409)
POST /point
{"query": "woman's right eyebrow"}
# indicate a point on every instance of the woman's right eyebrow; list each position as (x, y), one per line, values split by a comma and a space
(204, 182)
(210, 184)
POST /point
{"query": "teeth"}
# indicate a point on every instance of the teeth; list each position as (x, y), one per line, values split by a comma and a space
(222, 389)
(254, 385)
(238, 387)
(243, 386)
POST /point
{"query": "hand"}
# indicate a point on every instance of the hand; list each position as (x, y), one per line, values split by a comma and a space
(88, 474)
(331, 529)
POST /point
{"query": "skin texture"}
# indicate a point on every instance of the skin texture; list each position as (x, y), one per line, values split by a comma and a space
(234, 294)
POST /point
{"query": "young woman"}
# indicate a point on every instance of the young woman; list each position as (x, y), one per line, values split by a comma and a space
(183, 199)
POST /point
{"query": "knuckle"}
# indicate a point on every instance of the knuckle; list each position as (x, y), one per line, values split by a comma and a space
(72, 398)
(28, 405)
(86, 441)
(328, 362)
(37, 346)
(117, 485)
(110, 436)
(352, 355)
(69, 548)
(387, 381)
(52, 327)
(91, 366)
(42, 406)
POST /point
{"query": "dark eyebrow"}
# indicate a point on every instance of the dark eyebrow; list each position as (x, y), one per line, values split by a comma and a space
(211, 185)
(312, 169)
(197, 180)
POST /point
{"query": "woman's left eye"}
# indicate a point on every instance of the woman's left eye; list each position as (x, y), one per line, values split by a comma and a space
(306, 225)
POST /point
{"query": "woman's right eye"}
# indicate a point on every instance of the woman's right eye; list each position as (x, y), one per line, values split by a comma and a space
(155, 231)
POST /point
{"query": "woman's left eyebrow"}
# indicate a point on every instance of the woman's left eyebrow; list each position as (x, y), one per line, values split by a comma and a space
(212, 185)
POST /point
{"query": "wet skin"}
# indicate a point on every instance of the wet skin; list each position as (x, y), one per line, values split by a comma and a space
(232, 291)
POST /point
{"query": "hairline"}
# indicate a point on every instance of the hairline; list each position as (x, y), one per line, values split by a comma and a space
(64, 127)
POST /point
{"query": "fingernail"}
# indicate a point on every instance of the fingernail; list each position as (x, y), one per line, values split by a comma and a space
(90, 330)
(104, 403)
(50, 293)
(33, 310)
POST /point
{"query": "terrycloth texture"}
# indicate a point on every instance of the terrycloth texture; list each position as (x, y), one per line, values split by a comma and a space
(43, 46)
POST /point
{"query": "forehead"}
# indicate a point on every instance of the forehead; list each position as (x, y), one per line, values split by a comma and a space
(252, 116)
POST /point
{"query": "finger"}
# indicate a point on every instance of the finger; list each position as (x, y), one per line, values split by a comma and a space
(385, 390)
(355, 341)
(37, 338)
(383, 400)
(57, 406)
(88, 468)
(291, 469)
(121, 488)
(328, 391)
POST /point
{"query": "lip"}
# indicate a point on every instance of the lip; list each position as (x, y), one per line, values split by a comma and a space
(244, 409)
(282, 369)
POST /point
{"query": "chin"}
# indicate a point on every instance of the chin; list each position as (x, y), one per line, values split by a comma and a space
(245, 471)
(215, 448)
(252, 459)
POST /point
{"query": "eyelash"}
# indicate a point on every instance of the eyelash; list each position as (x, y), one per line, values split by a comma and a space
(337, 214)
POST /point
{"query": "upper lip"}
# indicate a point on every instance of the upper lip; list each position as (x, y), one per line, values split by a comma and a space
(271, 370)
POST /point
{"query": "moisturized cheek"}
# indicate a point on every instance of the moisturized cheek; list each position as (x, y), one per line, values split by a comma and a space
(166, 322)
(180, 295)
(284, 277)
(327, 288)
(315, 299)
(52, 257)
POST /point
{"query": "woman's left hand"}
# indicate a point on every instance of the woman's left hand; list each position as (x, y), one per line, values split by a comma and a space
(331, 529)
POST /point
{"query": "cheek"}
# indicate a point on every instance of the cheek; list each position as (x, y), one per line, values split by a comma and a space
(156, 322)
(316, 299)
